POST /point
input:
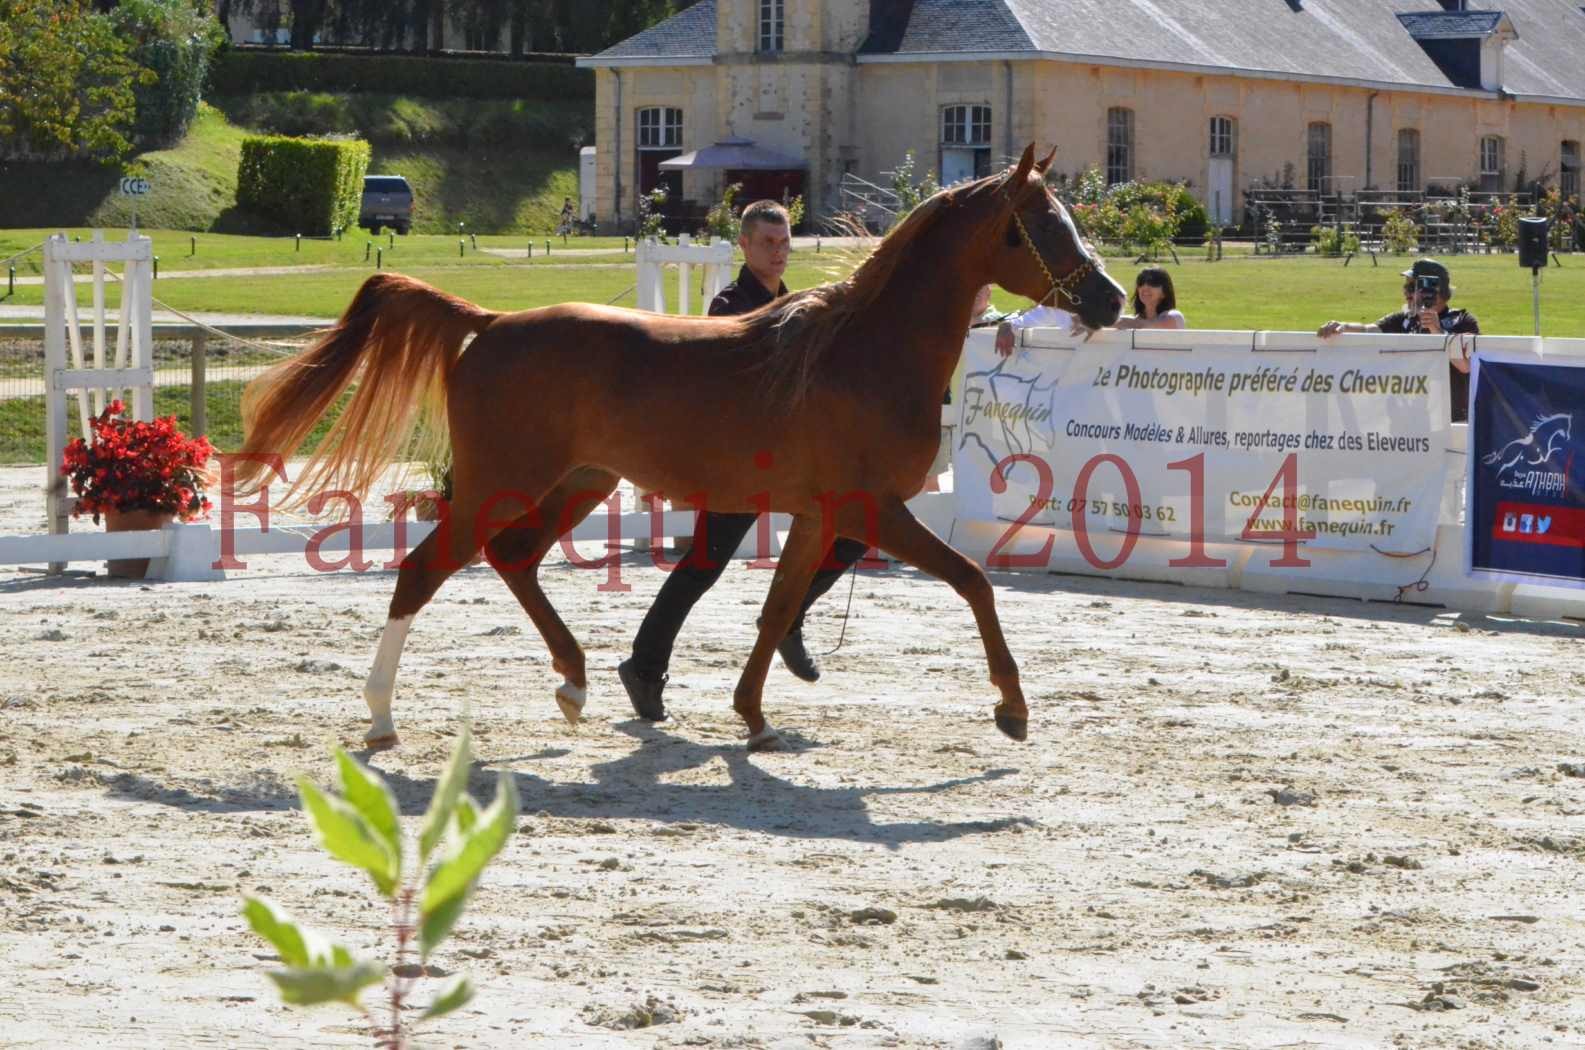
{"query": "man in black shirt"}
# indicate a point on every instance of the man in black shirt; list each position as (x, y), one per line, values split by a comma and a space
(765, 241)
(1430, 314)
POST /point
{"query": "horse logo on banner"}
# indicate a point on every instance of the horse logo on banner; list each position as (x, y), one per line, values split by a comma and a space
(1548, 435)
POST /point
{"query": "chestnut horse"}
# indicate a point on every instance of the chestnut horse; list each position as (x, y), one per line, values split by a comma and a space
(825, 405)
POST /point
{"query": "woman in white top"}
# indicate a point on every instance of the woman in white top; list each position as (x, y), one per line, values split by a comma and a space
(1155, 302)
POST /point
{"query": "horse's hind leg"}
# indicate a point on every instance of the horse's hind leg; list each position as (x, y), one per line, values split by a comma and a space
(899, 533)
(445, 550)
(417, 581)
(516, 553)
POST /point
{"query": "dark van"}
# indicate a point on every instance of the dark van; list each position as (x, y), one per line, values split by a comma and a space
(387, 201)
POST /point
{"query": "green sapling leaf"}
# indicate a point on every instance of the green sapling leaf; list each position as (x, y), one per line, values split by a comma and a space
(348, 837)
(456, 995)
(450, 786)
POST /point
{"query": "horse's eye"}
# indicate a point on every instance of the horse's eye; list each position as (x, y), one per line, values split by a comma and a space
(1012, 236)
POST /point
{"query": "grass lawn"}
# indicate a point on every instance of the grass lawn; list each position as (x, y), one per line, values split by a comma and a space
(184, 250)
(1237, 293)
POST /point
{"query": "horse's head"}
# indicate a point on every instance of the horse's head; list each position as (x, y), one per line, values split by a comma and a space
(1040, 255)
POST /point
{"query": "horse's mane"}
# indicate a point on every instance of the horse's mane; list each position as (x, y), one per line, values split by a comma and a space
(795, 334)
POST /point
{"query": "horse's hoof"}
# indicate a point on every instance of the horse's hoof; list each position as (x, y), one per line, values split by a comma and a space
(1017, 728)
(383, 742)
(766, 739)
(571, 700)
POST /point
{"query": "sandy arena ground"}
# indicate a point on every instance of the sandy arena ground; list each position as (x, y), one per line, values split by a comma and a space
(1240, 821)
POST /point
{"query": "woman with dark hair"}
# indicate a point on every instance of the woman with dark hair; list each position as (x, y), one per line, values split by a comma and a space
(1155, 302)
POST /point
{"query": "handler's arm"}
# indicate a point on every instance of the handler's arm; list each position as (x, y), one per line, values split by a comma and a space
(1332, 328)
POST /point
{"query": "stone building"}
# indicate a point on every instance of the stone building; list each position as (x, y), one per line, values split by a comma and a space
(1339, 94)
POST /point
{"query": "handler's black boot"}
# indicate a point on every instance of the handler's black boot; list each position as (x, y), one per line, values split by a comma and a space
(644, 692)
(799, 660)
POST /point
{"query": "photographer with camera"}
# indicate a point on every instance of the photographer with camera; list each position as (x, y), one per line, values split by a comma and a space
(1427, 288)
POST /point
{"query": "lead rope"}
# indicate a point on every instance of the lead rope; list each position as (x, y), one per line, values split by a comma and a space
(853, 572)
(1065, 285)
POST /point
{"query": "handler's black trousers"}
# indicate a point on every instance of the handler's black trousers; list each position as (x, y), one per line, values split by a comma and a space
(697, 573)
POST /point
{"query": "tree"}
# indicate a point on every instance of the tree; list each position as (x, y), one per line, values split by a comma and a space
(66, 79)
(530, 25)
(175, 40)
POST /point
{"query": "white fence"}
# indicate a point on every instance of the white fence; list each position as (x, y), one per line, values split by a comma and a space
(66, 366)
(652, 258)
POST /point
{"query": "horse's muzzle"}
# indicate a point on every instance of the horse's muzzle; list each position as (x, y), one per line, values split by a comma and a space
(1101, 301)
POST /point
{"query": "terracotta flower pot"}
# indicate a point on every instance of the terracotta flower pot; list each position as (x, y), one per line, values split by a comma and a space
(133, 521)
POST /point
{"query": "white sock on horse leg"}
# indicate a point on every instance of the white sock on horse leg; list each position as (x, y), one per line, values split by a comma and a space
(381, 686)
(570, 698)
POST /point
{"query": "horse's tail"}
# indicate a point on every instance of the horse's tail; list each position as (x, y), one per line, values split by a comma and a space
(398, 339)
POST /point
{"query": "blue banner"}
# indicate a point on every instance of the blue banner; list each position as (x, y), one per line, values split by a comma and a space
(1526, 496)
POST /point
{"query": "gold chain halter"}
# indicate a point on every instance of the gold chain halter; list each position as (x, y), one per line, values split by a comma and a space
(1066, 285)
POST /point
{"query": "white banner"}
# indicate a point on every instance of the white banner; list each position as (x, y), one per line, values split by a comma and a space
(1205, 437)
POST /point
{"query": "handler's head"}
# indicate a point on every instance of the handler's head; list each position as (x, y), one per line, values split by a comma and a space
(766, 240)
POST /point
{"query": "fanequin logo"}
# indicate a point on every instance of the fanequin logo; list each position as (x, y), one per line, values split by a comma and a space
(1518, 461)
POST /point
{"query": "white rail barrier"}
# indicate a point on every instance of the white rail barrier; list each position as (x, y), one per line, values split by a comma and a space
(652, 258)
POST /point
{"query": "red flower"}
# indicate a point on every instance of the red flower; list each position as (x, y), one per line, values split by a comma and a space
(137, 465)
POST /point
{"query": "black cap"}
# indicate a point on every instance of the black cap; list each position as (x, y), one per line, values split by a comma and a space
(1431, 268)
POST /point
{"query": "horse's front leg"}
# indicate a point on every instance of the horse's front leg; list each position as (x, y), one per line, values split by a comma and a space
(794, 570)
(900, 534)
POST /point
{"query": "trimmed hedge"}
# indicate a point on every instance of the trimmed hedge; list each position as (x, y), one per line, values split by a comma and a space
(312, 186)
(239, 72)
(402, 120)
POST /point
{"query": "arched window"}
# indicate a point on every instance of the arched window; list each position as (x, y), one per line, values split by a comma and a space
(1318, 156)
(1493, 162)
(965, 143)
(1119, 145)
(772, 25)
(1408, 160)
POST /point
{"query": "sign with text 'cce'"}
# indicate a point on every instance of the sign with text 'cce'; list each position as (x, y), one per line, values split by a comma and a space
(133, 187)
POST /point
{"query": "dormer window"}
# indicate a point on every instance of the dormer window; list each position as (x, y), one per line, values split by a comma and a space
(772, 25)
(1467, 46)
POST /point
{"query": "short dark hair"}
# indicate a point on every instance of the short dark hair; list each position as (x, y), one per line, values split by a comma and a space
(1156, 277)
(764, 211)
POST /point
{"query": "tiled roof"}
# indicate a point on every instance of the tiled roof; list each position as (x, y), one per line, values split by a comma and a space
(1362, 40)
(941, 26)
(688, 34)
(1449, 25)
(1549, 56)
(1329, 39)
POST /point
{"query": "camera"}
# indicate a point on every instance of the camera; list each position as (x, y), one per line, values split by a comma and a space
(1426, 289)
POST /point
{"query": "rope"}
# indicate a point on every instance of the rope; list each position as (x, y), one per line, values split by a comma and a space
(276, 348)
(25, 251)
(1424, 582)
(853, 574)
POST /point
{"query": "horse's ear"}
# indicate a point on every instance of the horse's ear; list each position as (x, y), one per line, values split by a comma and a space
(1020, 176)
(1041, 166)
